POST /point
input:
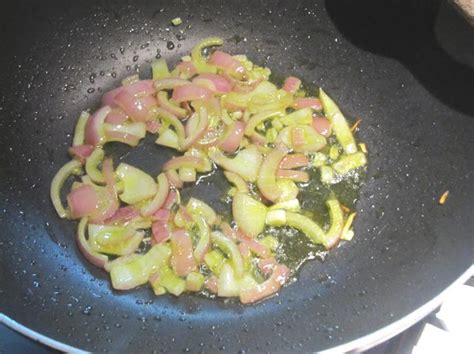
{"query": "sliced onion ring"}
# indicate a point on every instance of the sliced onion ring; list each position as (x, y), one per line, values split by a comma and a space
(70, 168)
(97, 259)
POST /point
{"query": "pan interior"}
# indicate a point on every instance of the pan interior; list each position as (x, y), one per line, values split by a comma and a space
(407, 248)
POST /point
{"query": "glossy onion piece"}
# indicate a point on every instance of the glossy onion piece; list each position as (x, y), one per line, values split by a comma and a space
(269, 287)
(199, 130)
(116, 116)
(211, 284)
(198, 207)
(301, 138)
(182, 259)
(127, 133)
(338, 123)
(109, 176)
(201, 64)
(246, 164)
(190, 92)
(254, 246)
(91, 166)
(291, 84)
(162, 215)
(266, 181)
(228, 64)
(237, 181)
(294, 161)
(232, 251)
(81, 152)
(79, 130)
(307, 226)
(159, 69)
(187, 174)
(173, 179)
(249, 214)
(170, 83)
(337, 223)
(172, 199)
(186, 69)
(107, 204)
(138, 109)
(184, 161)
(167, 105)
(144, 87)
(70, 168)
(227, 285)
(136, 270)
(232, 137)
(161, 231)
(288, 189)
(194, 281)
(267, 266)
(173, 121)
(301, 116)
(160, 197)
(322, 126)
(153, 126)
(82, 201)
(137, 185)
(350, 162)
(260, 118)
(296, 176)
(114, 240)
(97, 259)
(123, 215)
(204, 237)
(310, 102)
(290, 204)
(244, 250)
(216, 83)
(170, 281)
(94, 134)
(298, 139)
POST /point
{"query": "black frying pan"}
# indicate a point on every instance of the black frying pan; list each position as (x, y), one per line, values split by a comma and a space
(381, 61)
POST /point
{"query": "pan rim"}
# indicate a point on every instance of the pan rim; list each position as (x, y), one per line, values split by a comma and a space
(385, 333)
(38, 337)
(363, 343)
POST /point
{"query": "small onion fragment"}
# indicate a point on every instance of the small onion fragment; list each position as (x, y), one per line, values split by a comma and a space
(291, 84)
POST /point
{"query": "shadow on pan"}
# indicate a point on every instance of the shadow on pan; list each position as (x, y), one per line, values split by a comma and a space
(419, 34)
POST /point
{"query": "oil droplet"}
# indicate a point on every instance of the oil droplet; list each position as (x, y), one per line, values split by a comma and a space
(87, 310)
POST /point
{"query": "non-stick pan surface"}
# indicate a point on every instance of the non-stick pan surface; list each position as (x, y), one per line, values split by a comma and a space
(381, 63)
